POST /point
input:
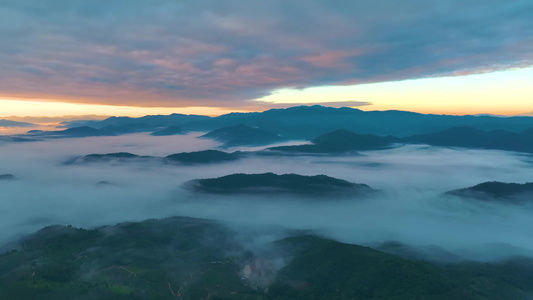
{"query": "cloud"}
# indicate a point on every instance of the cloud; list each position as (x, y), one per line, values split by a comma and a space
(208, 53)
(411, 210)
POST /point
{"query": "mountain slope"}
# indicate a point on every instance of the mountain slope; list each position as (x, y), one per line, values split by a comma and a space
(9, 123)
(242, 135)
(187, 258)
(470, 137)
(494, 190)
(341, 141)
(171, 130)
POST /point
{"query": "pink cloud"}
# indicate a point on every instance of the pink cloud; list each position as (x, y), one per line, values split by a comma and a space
(331, 59)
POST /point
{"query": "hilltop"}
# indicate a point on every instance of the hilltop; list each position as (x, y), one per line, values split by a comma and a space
(270, 183)
(497, 191)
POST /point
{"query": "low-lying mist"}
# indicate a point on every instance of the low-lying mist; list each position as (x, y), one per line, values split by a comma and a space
(411, 210)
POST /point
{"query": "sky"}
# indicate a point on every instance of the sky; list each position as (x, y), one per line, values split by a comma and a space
(133, 57)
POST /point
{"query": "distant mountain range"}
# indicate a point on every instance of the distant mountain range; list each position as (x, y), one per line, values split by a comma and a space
(196, 157)
(330, 130)
(152, 123)
(9, 123)
(83, 131)
(466, 137)
(308, 122)
(336, 142)
(269, 183)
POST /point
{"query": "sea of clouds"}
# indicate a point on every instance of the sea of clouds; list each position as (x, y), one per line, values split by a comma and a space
(411, 209)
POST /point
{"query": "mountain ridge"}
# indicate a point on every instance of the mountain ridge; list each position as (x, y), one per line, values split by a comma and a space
(307, 122)
(496, 190)
(268, 183)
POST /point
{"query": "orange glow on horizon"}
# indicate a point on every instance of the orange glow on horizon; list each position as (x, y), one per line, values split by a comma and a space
(499, 93)
(42, 108)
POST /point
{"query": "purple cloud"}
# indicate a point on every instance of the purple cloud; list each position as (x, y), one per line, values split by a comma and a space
(225, 53)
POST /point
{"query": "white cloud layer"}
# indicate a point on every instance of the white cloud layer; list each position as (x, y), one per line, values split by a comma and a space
(411, 210)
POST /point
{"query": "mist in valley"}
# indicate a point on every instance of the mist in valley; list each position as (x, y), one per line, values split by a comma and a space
(411, 209)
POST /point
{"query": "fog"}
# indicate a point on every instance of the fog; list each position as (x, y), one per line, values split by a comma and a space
(411, 209)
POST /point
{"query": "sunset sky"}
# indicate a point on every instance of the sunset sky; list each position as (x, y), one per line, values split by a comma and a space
(133, 57)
